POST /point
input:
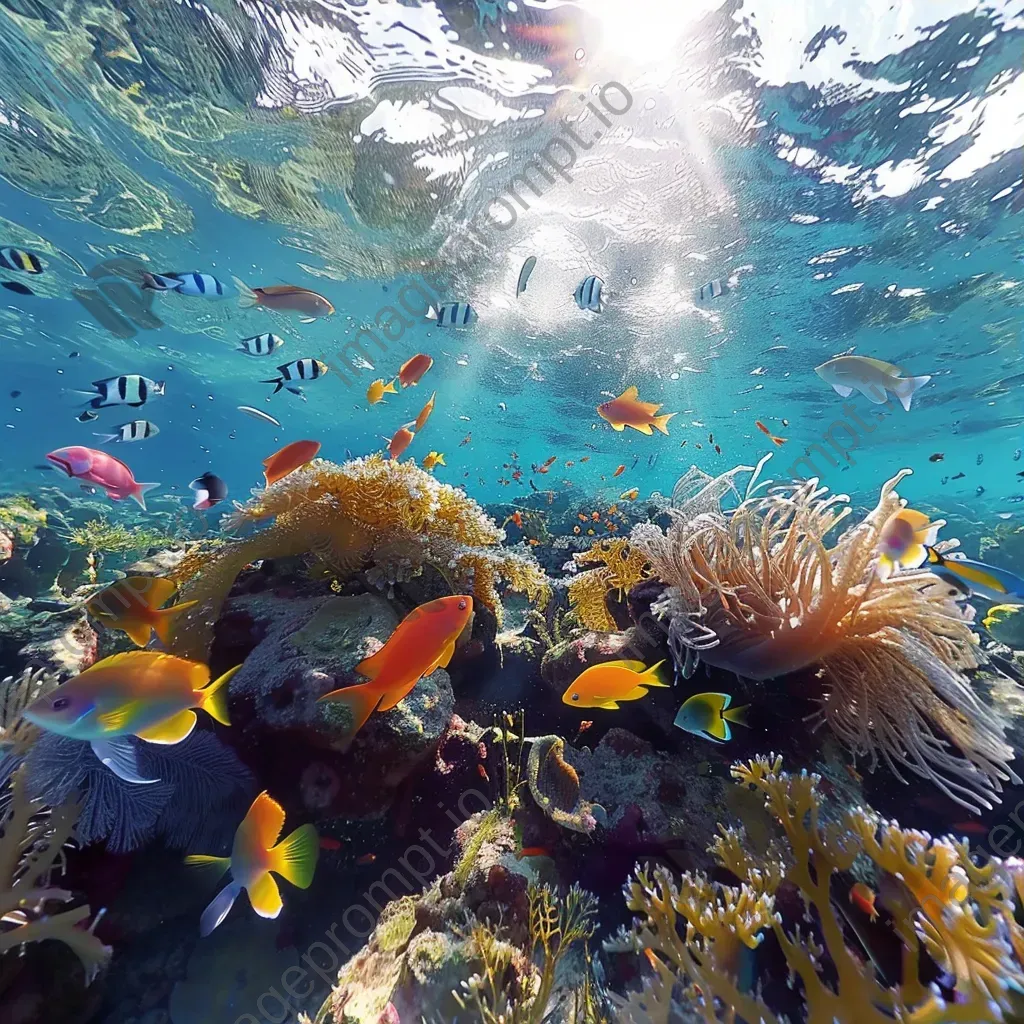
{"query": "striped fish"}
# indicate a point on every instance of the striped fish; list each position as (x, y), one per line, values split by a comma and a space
(711, 290)
(260, 344)
(183, 284)
(18, 259)
(128, 389)
(588, 294)
(136, 430)
(453, 314)
(298, 369)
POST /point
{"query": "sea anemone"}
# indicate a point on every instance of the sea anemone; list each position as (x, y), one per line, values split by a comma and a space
(759, 592)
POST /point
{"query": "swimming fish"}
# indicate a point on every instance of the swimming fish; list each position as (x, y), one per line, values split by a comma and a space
(711, 290)
(413, 369)
(904, 537)
(259, 414)
(17, 287)
(401, 440)
(709, 715)
(630, 495)
(958, 476)
(628, 411)
(468, 438)
(863, 898)
(988, 581)
(284, 298)
(209, 490)
(183, 284)
(141, 693)
(260, 345)
(378, 389)
(588, 294)
(421, 419)
(871, 377)
(524, 274)
(937, 457)
(421, 643)
(604, 685)
(764, 430)
(256, 853)
(297, 369)
(102, 469)
(135, 430)
(1005, 622)
(128, 389)
(453, 314)
(619, 471)
(432, 459)
(288, 459)
(18, 259)
(87, 416)
(133, 605)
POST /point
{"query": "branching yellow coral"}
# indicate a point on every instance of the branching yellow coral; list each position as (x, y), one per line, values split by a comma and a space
(620, 567)
(942, 904)
(363, 513)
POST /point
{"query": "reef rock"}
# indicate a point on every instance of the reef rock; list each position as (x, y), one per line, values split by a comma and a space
(566, 660)
(63, 644)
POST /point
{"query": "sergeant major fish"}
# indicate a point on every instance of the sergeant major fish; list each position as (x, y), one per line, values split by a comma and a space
(453, 314)
(130, 389)
(260, 345)
(183, 284)
(299, 369)
(135, 430)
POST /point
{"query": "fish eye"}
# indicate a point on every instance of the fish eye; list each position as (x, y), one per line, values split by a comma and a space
(575, 696)
(60, 703)
(462, 606)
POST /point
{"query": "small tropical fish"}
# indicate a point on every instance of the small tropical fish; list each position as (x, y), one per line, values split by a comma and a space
(142, 693)
(133, 605)
(570, 464)
(863, 898)
(135, 430)
(366, 858)
(711, 290)
(871, 377)
(937, 457)
(575, 529)
(482, 772)
(453, 314)
(619, 471)
(259, 414)
(524, 274)
(586, 458)
(628, 411)
(421, 419)
(17, 287)
(102, 469)
(260, 345)
(18, 259)
(764, 430)
(467, 439)
(298, 369)
(412, 370)
(631, 495)
(595, 516)
(421, 643)
(183, 284)
(533, 851)
(980, 459)
(588, 294)
(959, 476)
(718, 449)
(288, 459)
(378, 389)
(709, 715)
(516, 517)
(986, 581)
(604, 685)
(979, 491)
(128, 389)
(401, 440)
(904, 537)
(1016, 455)
(432, 459)
(87, 416)
(256, 853)
(209, 490)
(284, 298)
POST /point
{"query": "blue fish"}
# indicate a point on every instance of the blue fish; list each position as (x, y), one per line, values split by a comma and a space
(985, 581)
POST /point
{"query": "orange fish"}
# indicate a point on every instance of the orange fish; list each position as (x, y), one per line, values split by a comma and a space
(764, 430)
(367, 858)
(516, 518)
(517, 475)
(584, 726)
(595, 516)
(402, 439)
(586, 458)
(855, 775)
(133, 606)
(288, 459)
(467, 439)
(421, 420)
(422, 642)
(254, 856)
(863, 898)
(619, 472)
(533, 542)
(628, 411)
(533, 851)
(631, 495)
(570, 464)
(605, 684)
(284, 298)
(329, 843)
(413, 369)
(482, 772)
(378, 389)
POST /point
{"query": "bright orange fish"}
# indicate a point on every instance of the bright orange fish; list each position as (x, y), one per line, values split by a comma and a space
(764, 430)
(619, 472)
(422, 642)
(628, 411)
(595, 516)
(425, 412)
(863, 898)
(517, 518)
(402, 439)
(533, 851)
(288, 459)
(253, 856)
(631, 495)
(133, 606)
(413, 369)
(604, 685)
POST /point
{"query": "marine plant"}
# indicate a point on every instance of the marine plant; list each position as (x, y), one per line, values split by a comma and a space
(365, 513)
(760, 591)
(618, 566)
(944, 908)
(101, 536)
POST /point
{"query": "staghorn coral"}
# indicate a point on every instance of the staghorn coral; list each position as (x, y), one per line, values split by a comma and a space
(759, 592)
(350, 517)
(621, 566)
(943, 906)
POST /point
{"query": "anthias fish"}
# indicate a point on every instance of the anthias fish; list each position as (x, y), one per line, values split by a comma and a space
(256, 853)
(134, 606)
(432, 459)
(421, 643)
(604, 685)
(871, 377)
(102, 469)
(628, 411)
(424, 414)
(288, 459)
(284, 298)
(378, 389)
(413, 369)
(401, 440)
(709, 715)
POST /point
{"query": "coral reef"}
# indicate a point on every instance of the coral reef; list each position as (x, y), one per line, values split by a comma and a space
(759, 592)
(619, 566)
(555, 787)
(20, 522)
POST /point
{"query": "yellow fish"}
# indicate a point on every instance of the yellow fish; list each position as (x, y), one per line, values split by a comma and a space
(133, 606)
(628, 411)
(604, 685)
(378, 389)
(254, 856)
(631, 495)
(432, 459)
(904, 537)
(709, 715)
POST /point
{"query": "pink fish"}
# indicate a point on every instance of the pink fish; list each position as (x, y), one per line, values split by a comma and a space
(101, 469)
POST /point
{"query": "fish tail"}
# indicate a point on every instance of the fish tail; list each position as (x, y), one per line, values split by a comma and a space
(661, 422)
(139, 492)
(440, 461)
(737, 715)
(389, 388)
(655, 675)
(106, 438)
(213, 698)
(294, 858)
(361, 700)
(247, 298)
(904, 389)
(164, 620)
(211, 864)
(279, 381)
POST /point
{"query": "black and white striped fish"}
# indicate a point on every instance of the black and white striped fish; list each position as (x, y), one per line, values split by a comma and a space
(711, 290)
(136, 430)
(298, 369)
(183, 284)
(588, 294)
(128, 389)
(453, 314)
(18, 259)
(260, 345)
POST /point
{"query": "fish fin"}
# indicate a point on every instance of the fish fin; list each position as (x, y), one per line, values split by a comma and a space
(874, 394)
(631, 394)
(175, 729)
(139, 632)
(913, 557)
(644, 428)
(117, 718)
(617, 426)
(294, 858)
(446, 657)
(106, 438)
(219, 908)
(247, 298)
(213, 698)
(119, 755)
(265, 896)
(738, 715)
(279, 381)
(718, 730)
(209, 864)
(263, 822)
(441, 462)
(655, 676)
(361, 700)
(389, 388)
(635, 694)
(842, 390)
(431, 313)
(610, 705)
(916, 520)
(904, 389)
(371, 666)
(661, 422)
(632, 666)
(165, 618)
(139, 492)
